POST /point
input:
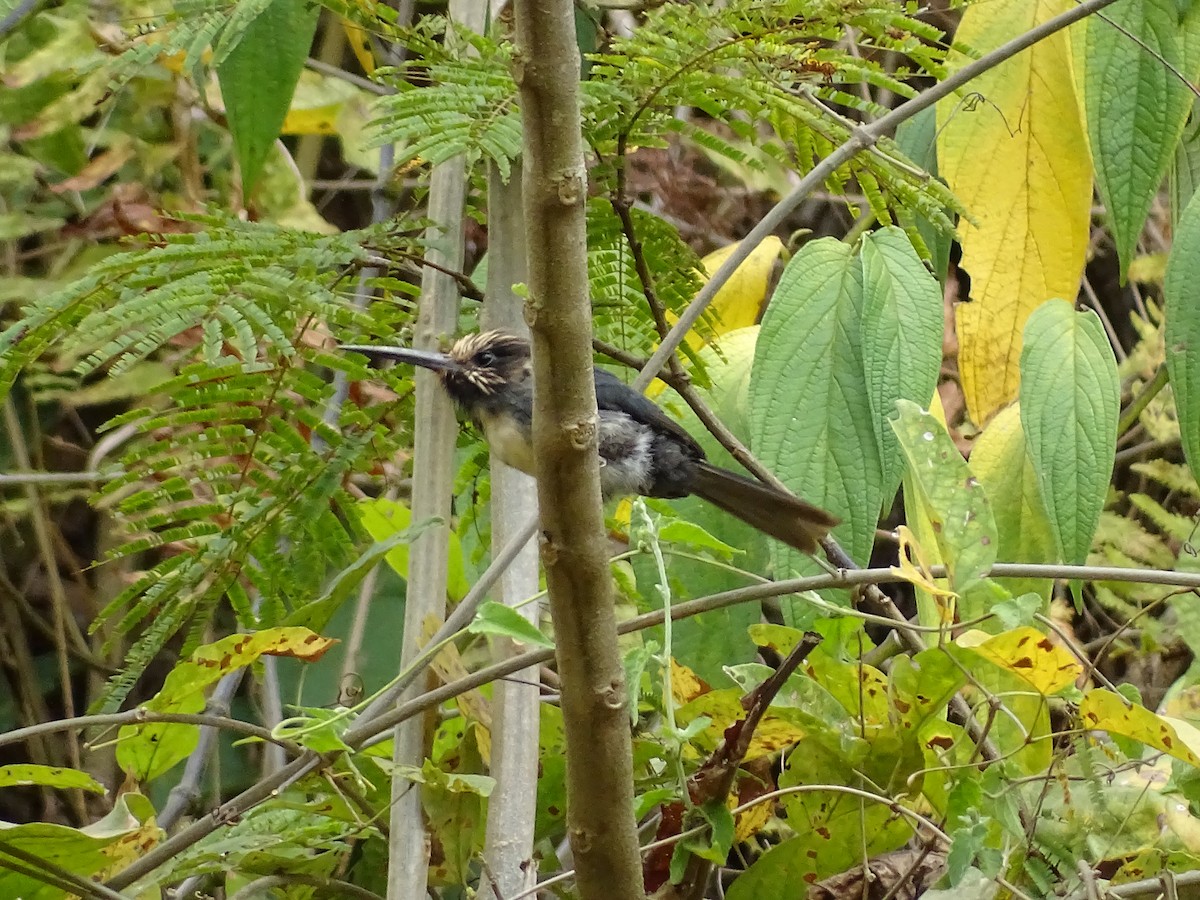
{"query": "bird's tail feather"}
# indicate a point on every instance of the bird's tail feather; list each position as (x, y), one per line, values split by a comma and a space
(782, 516)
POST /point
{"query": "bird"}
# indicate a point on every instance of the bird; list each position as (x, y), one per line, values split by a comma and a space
(489, 376)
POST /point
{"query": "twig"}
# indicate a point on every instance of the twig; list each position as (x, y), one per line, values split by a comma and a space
(187, 791)
(367, 733)
(1145, 887)
(466, 287)
(262, 790)
(380, 90)
(324, 885)
(22, 11)
(715, 778)
(142, 716)
(26, 478)
(455, 622)
(1148, 392)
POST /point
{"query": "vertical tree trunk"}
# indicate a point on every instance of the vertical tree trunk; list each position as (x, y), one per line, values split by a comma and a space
(433, 481)
(512, 806)
(599, 769)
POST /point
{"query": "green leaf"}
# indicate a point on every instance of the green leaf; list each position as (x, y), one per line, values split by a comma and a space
(713, 845)
(383, 518)
(1136, 108)
(77, 850)
(1070, 399)
(902, 328)
(1019, 610)
(23, 774)
(951, 497)
(1182, 335)
(810, 420)
(691, 534)
(258, 78)
(496, 618)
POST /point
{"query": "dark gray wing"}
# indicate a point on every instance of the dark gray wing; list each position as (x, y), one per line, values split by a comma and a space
(614, 394)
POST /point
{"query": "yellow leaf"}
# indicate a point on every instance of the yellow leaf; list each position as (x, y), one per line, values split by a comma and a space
(1012, 146)
(1103, 710)
(915, 570)
(360, 43)
(739, 302)
(686, 685)
(321, 104)
(1028, 654)
(1148, 269)
(752, 821)
(321, 120)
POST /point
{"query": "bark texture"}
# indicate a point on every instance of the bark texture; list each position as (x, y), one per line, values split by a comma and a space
(599, 768)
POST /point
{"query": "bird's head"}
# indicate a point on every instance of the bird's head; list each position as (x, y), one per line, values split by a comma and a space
(477, 367)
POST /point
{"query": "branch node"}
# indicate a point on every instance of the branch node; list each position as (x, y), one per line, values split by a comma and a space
(582, 434)
(571, 185)
(614, 696)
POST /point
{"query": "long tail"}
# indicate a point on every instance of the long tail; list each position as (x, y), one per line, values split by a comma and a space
(782, 516)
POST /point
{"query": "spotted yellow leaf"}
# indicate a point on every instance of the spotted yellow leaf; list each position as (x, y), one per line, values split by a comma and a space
(1103, 710)
(1028, 654)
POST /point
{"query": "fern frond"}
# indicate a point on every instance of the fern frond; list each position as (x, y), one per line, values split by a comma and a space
(620, 311)
(468, 109)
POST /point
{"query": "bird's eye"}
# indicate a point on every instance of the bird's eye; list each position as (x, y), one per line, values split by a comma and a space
(485, 358)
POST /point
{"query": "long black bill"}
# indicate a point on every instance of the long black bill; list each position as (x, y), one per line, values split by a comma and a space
(427, 359)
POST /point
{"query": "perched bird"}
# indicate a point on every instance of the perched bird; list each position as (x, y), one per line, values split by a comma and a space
(642, 451)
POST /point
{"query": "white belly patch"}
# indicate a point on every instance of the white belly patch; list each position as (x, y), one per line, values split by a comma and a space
(507, 442)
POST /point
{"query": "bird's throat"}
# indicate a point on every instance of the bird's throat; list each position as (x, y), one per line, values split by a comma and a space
(508, 440)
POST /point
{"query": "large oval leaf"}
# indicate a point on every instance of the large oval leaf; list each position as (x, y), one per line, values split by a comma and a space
(1012, 147)
(810, 420)
(1070, 400)
(901, 337)
(259, 75)
(1136, 107)
(1182, 335)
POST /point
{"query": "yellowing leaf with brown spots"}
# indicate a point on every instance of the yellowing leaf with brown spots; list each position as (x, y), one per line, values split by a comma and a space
(751, 821)
(147, 751)
(1103, 710)
(1028, 654)
(686, 685)
(779, 727)
(1012, 147)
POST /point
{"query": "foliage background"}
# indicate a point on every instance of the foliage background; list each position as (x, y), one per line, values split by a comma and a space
(170, 323)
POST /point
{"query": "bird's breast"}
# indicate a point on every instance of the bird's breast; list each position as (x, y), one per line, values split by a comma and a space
(508, 439)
